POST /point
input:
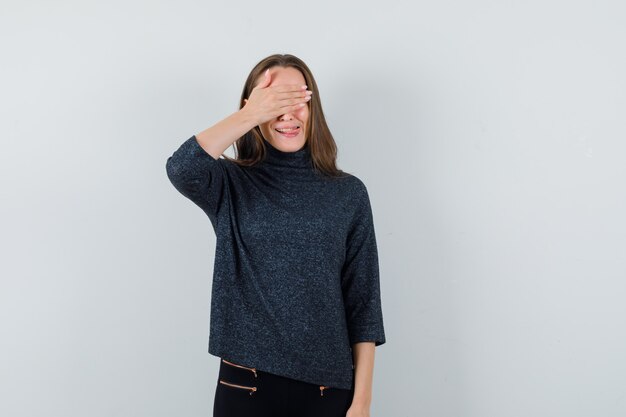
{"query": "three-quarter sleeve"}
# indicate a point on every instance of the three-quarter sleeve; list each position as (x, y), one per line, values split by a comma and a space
(198, 176)
(360, 277)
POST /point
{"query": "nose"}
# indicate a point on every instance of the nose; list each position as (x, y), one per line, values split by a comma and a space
(286, 116)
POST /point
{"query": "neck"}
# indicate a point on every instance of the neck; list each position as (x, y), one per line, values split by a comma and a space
(296, 159)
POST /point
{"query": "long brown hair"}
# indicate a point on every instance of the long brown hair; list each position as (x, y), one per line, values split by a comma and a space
(250, 148)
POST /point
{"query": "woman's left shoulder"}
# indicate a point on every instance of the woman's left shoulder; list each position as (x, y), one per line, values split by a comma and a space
(355, 186)
(350, 181)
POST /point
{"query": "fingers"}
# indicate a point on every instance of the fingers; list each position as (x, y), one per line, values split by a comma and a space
(287, 95)
(278, 99)
(294, 103)
(289, 88)
(297, 106)
(291, 97)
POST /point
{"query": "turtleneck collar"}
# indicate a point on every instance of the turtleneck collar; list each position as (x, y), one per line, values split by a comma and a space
(297, 159)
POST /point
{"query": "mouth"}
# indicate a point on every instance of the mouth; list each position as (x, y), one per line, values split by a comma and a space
(289, 132)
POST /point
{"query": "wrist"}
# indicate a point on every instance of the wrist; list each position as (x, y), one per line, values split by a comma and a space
(247, 118)
(362, 401)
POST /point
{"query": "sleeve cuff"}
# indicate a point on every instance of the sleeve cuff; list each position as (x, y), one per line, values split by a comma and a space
(374, 334)
(195, 148)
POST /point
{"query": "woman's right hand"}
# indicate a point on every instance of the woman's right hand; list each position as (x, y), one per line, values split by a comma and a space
(266, 103)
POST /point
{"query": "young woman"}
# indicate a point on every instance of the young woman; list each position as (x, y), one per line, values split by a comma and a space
(295, 301)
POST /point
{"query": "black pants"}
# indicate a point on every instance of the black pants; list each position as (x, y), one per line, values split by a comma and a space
(245, 392)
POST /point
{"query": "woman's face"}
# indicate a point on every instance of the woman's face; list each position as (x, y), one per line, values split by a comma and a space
(300, 117)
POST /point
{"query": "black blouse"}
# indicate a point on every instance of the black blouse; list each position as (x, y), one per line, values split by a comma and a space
(296, 277)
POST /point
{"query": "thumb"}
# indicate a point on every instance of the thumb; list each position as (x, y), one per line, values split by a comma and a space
(266, 80)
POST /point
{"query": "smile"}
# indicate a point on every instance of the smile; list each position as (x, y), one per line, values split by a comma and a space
(291, 132)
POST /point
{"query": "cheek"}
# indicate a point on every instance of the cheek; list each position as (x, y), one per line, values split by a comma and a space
(303, 113)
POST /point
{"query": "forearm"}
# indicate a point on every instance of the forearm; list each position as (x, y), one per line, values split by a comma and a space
(363, 354)
(217, 138)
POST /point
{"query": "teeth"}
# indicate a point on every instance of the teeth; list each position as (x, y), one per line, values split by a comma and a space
(288, 129)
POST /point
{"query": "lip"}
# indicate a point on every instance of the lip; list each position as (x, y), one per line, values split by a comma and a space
(292, 134)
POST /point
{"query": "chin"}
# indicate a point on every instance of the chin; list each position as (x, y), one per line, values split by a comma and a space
(288, 144)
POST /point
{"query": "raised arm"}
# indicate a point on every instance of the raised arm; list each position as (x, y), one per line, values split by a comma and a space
(195, 169)
(217, 138)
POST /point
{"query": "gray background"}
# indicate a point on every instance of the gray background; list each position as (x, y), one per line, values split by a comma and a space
(490, 136)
